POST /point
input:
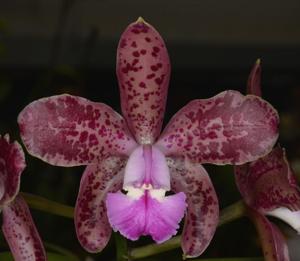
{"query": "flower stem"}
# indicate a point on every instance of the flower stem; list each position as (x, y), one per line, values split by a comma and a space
(46, 205)
(66, 254)
(232, 212)
(231, 259)
(121, 245)
(227, 215)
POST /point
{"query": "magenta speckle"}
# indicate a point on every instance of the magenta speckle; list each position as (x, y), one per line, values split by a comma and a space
(83, 136)
(142, 85)
(150, 76)
(123, 43)
(154, 68)
(136, 54)
(135, 31)
(156, 49)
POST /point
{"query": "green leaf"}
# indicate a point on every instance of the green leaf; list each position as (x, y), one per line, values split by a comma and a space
(231, 259)
(47, 205)
(56, 257)
(121, 244)
(7, 256)
(65, 253)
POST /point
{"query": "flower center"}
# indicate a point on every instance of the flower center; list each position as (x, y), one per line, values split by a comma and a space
(145, 210)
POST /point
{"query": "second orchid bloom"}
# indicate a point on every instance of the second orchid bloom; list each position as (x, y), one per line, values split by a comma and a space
(131, 164)
(269, 188)
(17, 224)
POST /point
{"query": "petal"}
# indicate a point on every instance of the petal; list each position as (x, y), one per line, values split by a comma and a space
(12, 164)
(273, 242)
(290, 217)
(203, 209)
(148, 165)
(66, 130)
(126, 214)
(21, 233)
(269, 183)
(145, 215)
(143, 70)
(227, 129)
(92, 227)
(163, 217)
(254, 80)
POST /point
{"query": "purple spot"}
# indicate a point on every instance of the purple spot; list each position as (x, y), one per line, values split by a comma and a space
(156, 49)
(142, 85)
(136, 54)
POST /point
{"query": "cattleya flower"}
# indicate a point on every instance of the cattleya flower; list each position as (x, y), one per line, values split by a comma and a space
(269, 187)
(130, 165)
(18, 227)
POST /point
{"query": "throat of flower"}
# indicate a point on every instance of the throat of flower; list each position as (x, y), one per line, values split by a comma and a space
(136, 193)
(146, 186)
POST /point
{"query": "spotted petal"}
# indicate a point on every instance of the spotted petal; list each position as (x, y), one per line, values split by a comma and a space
(254, 80)
(66, 130)
(268, 183)
(228, 128)
(143, 70)
(273, 242)
(203, 209)
(12, 164)
(92, 227)
(21, 233)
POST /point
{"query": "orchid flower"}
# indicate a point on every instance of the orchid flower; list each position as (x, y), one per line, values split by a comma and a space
(130, 166)
(268, 186)
(18, 227)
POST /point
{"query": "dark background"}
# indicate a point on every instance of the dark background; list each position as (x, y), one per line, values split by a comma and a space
(49, 47)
